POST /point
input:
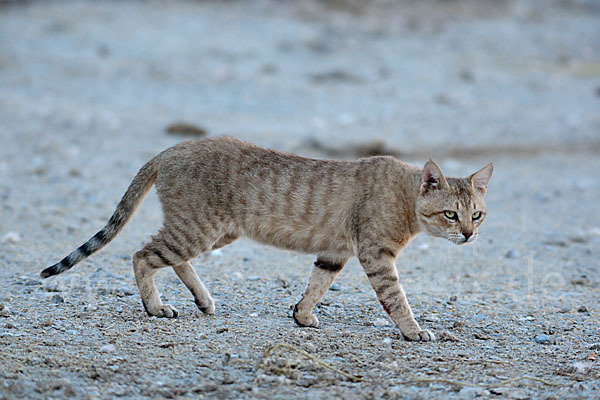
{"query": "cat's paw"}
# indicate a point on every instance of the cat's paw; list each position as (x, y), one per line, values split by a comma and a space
(421, 336)
(206, 308)
(309, 320)
(164, 311)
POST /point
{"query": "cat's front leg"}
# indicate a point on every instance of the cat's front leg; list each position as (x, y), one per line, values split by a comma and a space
(322, 276)
(379, 266)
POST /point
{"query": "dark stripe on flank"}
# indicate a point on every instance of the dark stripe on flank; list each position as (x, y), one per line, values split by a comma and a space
(329, 266)
(162, 257)
(174, 250)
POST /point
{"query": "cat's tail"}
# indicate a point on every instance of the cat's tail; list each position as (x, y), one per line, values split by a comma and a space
(139, 187)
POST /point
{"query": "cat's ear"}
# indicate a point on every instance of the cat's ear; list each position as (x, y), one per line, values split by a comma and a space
(480, 179)
(432, 178)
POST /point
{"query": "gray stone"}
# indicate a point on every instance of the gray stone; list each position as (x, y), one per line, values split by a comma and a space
(57, 299)
(542, 339)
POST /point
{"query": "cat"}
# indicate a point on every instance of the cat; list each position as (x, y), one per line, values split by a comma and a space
(214, 190)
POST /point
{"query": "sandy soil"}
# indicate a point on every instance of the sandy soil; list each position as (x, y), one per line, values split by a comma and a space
(87, 90)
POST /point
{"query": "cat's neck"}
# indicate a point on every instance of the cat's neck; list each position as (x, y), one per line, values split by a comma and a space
(414, 189)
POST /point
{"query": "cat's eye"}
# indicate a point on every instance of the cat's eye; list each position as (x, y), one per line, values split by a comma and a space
(476, 215)
(451, 215)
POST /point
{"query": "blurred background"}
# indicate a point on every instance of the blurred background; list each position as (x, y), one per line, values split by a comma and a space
(339, 77)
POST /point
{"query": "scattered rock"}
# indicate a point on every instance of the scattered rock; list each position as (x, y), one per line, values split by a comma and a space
(335, 287)
(564, 310)
(57, 299)
(207, 387)
(283, 283)
(4, 311)
(443, 99)
(595, 346)
(581, 281)
(108, 348)
(469, 392)
(379, 322)
(582, 309)
(11, 238)
(466, 75)
(336, 76)
(50, 289)
(445, 336)
(580, 367)
(367, 149)
(124, 292)
(186, 129)
(542, 339)
(25, 281)
(512, 254)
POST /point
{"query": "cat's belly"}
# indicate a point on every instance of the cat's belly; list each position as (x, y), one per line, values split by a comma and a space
(305, 239)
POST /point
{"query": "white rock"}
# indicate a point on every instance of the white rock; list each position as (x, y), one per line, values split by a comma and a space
(108, 348)
(379, 322)
(11, 237)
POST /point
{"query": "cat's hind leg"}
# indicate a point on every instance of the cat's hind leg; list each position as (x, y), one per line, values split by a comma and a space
(165, 249)
(145, 265)
(322, 276)
(186, 272)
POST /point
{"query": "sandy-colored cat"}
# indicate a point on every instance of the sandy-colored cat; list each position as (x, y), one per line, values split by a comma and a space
(215, 190)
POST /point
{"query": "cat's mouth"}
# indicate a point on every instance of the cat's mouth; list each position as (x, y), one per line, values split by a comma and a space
(460, 239)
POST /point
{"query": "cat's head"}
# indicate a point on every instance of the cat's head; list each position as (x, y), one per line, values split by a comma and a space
(452, 208)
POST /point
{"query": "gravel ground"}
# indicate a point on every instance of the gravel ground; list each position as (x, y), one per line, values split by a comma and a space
(87, 90)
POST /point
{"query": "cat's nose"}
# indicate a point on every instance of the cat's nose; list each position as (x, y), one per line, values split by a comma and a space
(467, 235)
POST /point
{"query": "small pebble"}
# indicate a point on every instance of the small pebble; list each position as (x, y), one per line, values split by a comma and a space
(4, 311)
(11, 238)
(469, 392)
(335, 287)
(542, 339)
(379, 322)
(445, 336)
(108, 348)
(57, 299)
(512, 254)
(582, 309)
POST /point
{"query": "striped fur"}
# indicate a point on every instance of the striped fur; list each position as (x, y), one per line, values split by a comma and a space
(213, 191)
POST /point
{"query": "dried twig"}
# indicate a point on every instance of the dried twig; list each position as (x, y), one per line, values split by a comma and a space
(481, 385)
(272, 348)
